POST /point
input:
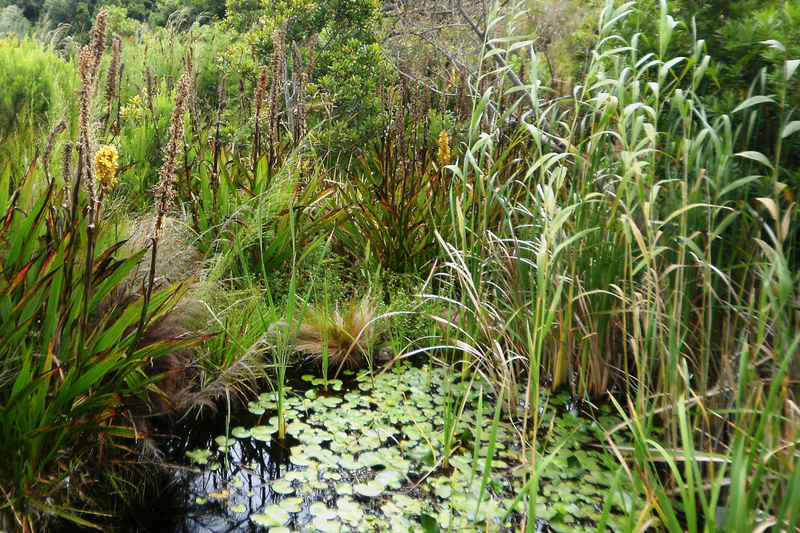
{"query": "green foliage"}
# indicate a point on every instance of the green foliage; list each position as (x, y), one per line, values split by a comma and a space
(632, 247)
(120, 22)
(35, 85)
(12, 21)
(335, 43)
(396, 208)
(78, 14)
(636, 235)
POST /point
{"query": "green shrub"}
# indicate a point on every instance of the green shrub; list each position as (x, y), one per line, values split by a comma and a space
(35, 83)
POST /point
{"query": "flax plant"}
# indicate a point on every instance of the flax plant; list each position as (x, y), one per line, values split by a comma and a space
(72, 368)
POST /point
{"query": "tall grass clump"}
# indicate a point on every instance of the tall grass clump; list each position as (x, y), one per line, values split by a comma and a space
(633, 245)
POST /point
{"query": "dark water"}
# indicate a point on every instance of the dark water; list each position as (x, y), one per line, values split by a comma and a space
(250, 464)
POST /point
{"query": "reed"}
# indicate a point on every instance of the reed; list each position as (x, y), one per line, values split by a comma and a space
(619, 262)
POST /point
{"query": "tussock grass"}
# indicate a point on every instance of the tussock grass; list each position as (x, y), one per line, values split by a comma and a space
(343, 336)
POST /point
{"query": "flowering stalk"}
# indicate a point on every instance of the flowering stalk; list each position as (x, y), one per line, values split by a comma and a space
(444, 150)
(66, 171)
(260, 95)
(88, 69)
(113, 74)
(276, 87)
(51, 142)
(222, 104)
(106, 160)
(165, 190)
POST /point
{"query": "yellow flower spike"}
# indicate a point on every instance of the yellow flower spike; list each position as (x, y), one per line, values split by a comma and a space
(106, 160)
(444, 149)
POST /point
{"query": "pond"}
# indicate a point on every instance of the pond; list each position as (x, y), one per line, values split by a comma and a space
(367, 454)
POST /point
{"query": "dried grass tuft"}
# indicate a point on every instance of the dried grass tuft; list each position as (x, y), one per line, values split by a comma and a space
(347, 334)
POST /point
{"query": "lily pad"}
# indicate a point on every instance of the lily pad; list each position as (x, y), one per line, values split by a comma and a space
(239, 508)
(326, 525)
(273, 516)
(389, 478)
(349, 464)
(344, 489)
(317, 508)
(291, 505)
(331, 401)
(282, 487)
(199, 456)
(371, 489)
(257, 408)
(300, 460)
(295, 475)
(224, 442)
(296, 428)
(443, 491)
(263, 433)
(240, 433)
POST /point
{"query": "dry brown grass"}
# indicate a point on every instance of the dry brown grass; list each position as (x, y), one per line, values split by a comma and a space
(347, 334)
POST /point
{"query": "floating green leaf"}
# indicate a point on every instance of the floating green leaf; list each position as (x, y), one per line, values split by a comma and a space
(273, 516)
(282, 487)
(224, 442)
(257, 408)
(240, 433)
(291, 505)
(370, 489)
(199, 456)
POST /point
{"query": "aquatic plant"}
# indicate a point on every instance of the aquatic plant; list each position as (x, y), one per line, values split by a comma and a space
(389, 478)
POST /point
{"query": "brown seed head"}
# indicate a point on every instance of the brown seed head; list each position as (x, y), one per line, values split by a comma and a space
(88, 67)
(261, 89)
(165, 190)
(51, 142)
(113, 70)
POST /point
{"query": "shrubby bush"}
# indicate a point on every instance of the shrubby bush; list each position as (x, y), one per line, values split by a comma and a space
(335, 43)
(35, 82)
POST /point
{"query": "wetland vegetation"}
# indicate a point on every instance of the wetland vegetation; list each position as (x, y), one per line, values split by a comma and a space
(337, 266)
